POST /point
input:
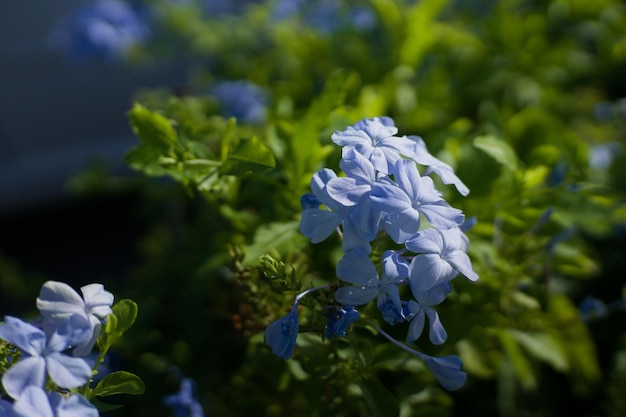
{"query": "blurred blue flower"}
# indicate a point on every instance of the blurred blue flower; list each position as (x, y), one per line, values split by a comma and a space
(339, 319)
(184, 402)
(41, 355)
(326, 16)
(281, 334)
(407, 198)
(243, 100)
(440, 256)
(602, 156)
(35, 402)
(417, 311)
(591, 308)
(57, 301)
(357, 268)
(100, 29)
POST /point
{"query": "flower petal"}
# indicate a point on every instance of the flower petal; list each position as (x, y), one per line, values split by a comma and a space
(26, 372)
(428, 270)
(67, 371)
(58, 298)
(356, 268)
(437, 333)
(27, 337)
(355, 296)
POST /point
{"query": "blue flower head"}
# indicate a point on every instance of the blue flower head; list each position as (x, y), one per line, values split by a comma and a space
(104, 29)
(282, 333)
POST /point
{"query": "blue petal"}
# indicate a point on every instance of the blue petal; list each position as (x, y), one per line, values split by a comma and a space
(27, 337)
(282, 333)
(437, 333)
(318, 224)
(416, 327)
(428, 270)
(447, 370)
(67, 371)
(26, 372)
(356, 268)
(356, 296)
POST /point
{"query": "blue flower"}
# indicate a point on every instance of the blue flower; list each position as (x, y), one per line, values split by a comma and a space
(243, 100)
(445, 171)
(410, 196)
(281, 334)
(356, 268)
(100, 29)
(360, 222)
(351, 190)
(592, 308)
(374, 139)
(183, 402)
(440, 257)
(41, 355)
(417, 311)
(35, 402)
(57, 301)
(339, 319)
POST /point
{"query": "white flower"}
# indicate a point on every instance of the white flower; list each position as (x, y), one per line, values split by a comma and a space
(58, 301)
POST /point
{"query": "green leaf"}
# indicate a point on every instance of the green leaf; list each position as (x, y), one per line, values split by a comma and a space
(249, 155)
(543, 347)
(104, 407)
(152, 128)
(498, 149)
(520, 363)
(280, 236)
(126, 312)
(146, 159)
(119, 382)
(378, 398)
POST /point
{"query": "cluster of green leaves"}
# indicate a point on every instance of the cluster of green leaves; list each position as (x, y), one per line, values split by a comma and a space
(504, 91)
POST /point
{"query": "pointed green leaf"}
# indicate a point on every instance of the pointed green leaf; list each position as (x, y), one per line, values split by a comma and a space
(120, 382)
(498, 149)
(152, 128)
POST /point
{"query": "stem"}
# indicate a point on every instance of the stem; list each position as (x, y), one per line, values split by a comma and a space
(400, 345)
(310, 290)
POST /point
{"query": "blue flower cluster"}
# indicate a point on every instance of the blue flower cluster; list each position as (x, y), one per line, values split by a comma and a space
(383, 192)
(53, 352)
